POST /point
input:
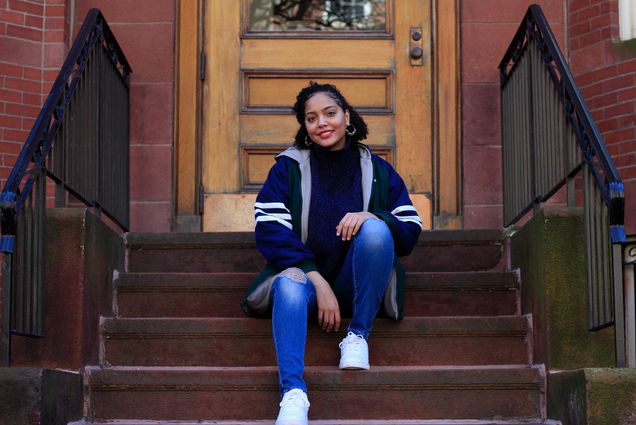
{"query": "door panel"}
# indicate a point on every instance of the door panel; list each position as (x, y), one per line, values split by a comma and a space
(255, 70)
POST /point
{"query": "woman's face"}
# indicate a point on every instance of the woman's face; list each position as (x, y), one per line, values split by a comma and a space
(325, 121)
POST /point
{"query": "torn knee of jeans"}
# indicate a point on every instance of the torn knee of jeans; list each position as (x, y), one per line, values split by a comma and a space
(295, 274)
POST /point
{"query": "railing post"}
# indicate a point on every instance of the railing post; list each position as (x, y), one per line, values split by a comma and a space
(5, 336)
(619, 305)
(629, 268)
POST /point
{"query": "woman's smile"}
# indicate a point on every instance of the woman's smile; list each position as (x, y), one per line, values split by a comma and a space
(326, 121)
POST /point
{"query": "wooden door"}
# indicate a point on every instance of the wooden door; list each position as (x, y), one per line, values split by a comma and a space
(260, 53)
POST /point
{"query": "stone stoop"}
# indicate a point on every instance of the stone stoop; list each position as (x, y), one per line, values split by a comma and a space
(179, 348)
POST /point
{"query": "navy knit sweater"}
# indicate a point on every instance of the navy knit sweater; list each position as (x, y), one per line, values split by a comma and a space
(336, 189)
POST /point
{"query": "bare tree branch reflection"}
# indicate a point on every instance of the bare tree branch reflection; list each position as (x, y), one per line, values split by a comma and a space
(317, 15)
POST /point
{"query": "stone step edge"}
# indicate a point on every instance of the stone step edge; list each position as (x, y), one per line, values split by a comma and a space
(141, 240)
(455, 326)
(125, 378)
(536, 421)
(223, 281)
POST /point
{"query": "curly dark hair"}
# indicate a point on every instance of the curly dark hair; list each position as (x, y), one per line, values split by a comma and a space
(299, 108)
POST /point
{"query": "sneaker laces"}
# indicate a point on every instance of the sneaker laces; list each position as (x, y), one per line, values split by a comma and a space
(295, 398)
(352, 340)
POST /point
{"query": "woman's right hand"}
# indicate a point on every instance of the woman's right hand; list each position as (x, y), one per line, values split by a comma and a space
(328, 308)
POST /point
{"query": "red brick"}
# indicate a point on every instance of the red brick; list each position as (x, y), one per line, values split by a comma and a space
(619, 136)
(601, 21)
(54, 36)
(10, 70)
(50, 75)
(608, 125)
(21, 110)
(58, 11)
(576, 5)
(602, 101)
(3, 4)
(28, 123)
(54, 55)
(12, 148)
(627, 148)
(612, 150)
(597, 75)
(34, 21)
(627, 174)
(11, 96)
(54, 23)
(10, 122)
(618, 110)
(588, 58)
(618, 83)
(591, 91)
(15, 135)
(627, 160)
(24, 33)
(579, 29)
(23, 6)
(34, 74)
(26, 53)
(627, 66)
(626, 121)
(584, 14)
(11, 17)
(32, 99)
(3, 28)
(9, 159)
(589, 38)
(23, 85)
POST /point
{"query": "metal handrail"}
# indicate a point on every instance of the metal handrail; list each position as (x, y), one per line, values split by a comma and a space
(40, 140)
(544, 119)
(587, 133)
(80, 140)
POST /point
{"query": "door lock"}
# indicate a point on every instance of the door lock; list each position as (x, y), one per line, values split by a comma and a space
(416, 47)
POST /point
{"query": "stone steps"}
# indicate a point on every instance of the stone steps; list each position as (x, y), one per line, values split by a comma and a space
(220, 294)
(251, 393)
(248, 342)
(457, 250)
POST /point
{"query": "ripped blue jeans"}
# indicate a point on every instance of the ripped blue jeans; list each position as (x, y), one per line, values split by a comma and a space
(359, 288)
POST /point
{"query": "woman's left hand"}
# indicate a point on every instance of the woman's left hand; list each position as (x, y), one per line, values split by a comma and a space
(351, 223)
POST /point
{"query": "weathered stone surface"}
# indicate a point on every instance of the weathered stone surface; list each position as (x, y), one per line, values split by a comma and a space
(549, 252)
(32, 396)
(81, 253)
(593, 396)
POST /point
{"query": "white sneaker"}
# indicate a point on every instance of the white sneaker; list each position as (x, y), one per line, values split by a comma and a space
(293, 408)
(354, 352)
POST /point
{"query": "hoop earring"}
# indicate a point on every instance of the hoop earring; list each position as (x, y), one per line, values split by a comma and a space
(350, 132)
(307, 141)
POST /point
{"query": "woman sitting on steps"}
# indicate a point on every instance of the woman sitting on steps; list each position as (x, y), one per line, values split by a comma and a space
(331, 220)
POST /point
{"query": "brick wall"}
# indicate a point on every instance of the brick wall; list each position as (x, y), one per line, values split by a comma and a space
(606, 73)
(487, 27)
(33, 44)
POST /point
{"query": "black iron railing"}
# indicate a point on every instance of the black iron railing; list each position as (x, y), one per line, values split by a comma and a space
(548, 137)
(80, 141)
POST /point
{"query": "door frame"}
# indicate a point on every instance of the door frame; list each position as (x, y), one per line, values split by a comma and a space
(446, 119)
